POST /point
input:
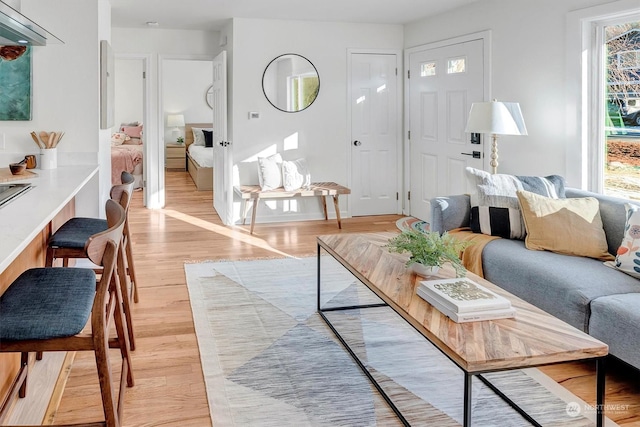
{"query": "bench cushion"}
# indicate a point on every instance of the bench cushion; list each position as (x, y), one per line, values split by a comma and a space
(44, 303)
(75, 232)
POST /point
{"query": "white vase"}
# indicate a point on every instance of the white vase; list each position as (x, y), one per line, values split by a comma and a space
(425, 270)
(48, 158)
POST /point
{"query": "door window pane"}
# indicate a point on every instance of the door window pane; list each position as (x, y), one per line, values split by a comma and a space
(428, 69)
(456, 65)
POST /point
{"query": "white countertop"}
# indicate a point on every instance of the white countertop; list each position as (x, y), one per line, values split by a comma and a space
(24, 217)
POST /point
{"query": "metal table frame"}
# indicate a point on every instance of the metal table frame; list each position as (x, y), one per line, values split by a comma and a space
(468, 376)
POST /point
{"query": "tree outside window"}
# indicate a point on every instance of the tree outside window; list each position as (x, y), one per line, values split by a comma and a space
(622, 171)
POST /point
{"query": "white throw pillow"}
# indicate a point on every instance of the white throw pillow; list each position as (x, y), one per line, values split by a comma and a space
(270, 172)
(198, 135)
(119, 138)
(295, 174)
(628, 254)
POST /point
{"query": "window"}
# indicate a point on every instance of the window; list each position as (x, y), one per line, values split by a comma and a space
(456, 65)
(428, 69)
(620, 69)
(629, 60)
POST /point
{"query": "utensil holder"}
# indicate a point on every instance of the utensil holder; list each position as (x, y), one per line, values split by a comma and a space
(48, 158)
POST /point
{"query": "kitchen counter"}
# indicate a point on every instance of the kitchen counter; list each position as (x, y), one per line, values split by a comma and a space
(22, 219)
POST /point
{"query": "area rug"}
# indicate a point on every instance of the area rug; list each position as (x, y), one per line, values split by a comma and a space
(270, 360)
(411, 223)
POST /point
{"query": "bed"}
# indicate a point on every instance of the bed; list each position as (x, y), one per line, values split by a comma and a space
(127, 153)
(199, 158)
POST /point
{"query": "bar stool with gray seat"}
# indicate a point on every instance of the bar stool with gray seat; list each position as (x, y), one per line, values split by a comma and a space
(47, 309)
(69, 240)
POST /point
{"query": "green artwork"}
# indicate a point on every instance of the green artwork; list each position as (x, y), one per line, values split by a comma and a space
(15, 83)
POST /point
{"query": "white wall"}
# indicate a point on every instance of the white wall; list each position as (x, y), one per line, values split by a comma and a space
(65, 90)
(322, 130)
(184, 86)
(528, 66)
(128, 91)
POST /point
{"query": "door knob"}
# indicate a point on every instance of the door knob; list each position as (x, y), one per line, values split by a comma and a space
(357, 143)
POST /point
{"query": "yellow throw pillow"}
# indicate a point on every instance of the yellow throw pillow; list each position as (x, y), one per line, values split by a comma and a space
(567, 226)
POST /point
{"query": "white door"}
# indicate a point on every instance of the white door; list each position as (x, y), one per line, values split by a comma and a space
(442, 84)
(374, 134)
(222, 155)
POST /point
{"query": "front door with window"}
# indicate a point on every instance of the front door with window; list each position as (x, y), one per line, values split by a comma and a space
(443, 82)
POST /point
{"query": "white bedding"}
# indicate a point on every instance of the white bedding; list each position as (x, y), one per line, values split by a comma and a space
(202, 155)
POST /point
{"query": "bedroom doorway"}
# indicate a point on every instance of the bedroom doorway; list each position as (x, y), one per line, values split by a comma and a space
(184, 83)
(131, 111)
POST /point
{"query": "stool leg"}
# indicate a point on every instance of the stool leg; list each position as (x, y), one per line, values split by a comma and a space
(126, 303)
(24, 364)
(131, 270)
(119, 318)
(101, 345)
(50, 255)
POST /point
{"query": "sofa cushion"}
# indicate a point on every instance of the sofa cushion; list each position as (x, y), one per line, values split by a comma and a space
(494, 205)
(615, 320)
(561, 285)
(566, 226)
(612, 212)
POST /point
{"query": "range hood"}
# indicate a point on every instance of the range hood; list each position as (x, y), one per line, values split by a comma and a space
(18, 30)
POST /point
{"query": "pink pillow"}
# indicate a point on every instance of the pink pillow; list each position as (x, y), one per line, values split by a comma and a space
(133, 141)
(133, 131)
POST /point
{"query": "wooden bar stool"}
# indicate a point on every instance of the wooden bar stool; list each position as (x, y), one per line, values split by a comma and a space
(68, 242)
(47, 309)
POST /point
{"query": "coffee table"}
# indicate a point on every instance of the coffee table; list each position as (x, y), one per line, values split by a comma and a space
(534, 337)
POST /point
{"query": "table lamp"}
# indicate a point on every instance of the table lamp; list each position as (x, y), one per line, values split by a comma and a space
(496, 118)
(175, 121)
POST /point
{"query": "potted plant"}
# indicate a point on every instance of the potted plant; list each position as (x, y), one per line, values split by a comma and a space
(428, 251)
(180, 140)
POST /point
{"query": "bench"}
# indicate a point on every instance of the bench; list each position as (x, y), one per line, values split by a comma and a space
(254, 194)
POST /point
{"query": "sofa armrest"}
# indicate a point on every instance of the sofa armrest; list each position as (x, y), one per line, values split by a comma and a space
(450, 212)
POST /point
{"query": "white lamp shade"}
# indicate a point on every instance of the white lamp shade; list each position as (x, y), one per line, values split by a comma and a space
(499, 118)
(175, 120)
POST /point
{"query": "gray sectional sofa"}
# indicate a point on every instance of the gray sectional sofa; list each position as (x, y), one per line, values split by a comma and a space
(583, 292)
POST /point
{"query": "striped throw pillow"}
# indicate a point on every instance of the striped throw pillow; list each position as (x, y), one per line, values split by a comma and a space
(494, 205)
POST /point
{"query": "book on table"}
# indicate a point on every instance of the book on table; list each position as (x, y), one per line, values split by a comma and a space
(464, 300)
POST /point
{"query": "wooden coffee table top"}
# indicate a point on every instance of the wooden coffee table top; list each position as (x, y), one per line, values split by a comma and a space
(532, 338)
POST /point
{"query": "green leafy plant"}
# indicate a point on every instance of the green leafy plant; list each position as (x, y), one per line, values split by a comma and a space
(180, 140)
(430, 249)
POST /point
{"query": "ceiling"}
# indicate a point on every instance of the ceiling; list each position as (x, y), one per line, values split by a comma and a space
(212, 14)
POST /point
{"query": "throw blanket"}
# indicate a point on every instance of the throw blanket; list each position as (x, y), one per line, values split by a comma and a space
(123, 159)
(472, 256)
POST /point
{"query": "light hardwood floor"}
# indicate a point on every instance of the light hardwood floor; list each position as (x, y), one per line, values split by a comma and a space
(169, 388)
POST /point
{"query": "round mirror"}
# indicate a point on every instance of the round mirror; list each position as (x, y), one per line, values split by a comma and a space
(291, 83)
(209, 97)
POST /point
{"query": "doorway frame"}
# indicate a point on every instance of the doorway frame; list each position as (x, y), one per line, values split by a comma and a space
(485, 36)
(147, 151)
(399, 114)
(159, 178)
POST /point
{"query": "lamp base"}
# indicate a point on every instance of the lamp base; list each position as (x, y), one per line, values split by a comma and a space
(494, 153)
